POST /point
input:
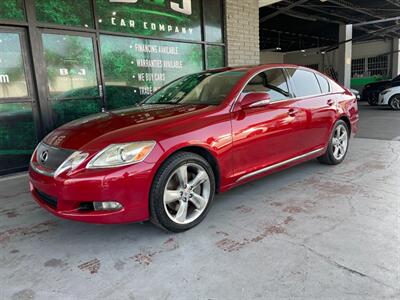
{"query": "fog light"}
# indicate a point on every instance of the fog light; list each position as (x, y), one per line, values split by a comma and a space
(107, 206)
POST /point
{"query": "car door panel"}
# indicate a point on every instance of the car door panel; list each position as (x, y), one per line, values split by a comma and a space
(263, 136)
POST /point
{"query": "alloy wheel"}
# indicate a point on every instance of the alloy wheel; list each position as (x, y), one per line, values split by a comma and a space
(340, 142)
(187, 193)
(395, 102)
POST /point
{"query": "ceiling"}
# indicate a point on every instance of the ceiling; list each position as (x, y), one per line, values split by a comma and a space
(293, 25)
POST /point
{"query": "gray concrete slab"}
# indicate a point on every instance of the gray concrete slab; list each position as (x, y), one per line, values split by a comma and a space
(310, 232)
(379, 122)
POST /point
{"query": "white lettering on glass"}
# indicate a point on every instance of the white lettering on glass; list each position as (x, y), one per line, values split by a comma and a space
(4, 78)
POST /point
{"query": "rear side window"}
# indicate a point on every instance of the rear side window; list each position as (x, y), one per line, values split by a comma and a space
(305, 83)
(272, 82)
(324, 84)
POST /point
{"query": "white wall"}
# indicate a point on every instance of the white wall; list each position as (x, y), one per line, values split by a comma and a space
(360, 50)
(269, 57)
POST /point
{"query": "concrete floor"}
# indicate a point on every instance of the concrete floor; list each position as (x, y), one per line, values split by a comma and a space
(310, 232)
(379, 122)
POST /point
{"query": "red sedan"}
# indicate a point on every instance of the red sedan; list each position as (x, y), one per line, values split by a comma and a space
(205, 133)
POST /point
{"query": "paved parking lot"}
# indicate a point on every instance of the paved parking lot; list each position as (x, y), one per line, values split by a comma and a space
(310, 232)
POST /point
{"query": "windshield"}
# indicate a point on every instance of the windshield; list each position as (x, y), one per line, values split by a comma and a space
(200, 88)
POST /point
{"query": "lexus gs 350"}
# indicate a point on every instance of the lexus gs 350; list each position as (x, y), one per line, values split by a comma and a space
(165, 159)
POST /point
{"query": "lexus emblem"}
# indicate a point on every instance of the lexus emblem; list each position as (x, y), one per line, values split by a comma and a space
(44, 156)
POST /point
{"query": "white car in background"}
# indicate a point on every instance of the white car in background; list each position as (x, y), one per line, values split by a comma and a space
(391, 97)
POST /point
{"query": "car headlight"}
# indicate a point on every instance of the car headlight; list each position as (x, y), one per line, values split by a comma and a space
(117, 155)
(385, 92)
(72, 162)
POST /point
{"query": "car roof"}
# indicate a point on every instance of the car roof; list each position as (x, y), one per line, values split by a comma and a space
(256, 67)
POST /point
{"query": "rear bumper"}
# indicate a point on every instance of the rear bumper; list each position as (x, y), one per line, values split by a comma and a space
(65, 196)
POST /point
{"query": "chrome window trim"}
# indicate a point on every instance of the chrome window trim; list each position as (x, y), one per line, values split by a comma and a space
(290, 87)
(247, 82)
(280, 164)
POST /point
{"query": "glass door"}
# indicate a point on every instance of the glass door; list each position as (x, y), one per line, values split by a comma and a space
(18, 110)
(73, 80)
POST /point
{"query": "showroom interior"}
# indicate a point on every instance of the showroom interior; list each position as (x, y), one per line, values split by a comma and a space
(309, 232)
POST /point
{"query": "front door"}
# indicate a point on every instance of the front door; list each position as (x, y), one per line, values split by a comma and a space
(264, 136)
(18, 103)
(73, 76)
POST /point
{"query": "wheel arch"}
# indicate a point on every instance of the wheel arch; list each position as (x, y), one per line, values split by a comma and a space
(204, 153)
(347, 121)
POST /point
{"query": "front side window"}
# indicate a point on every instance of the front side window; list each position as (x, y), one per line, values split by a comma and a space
(305, 82)
(200, 88)
(272, 82)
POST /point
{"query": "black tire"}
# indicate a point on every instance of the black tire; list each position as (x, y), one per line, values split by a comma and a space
(329, 158)
(158, 214)
(373, 98)
(393, 102)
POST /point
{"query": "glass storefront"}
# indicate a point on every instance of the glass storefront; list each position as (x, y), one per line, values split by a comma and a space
(93, 55)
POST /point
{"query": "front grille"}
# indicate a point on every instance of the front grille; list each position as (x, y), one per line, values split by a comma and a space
(53, 157)
(49, 200)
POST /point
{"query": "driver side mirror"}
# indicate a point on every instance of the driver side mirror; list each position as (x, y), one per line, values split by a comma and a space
(255, 99)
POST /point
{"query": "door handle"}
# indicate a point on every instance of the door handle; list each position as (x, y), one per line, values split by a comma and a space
(330, 102)
(292, 112)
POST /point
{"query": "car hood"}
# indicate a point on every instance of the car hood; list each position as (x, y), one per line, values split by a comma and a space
(121, 126)
(378, 84)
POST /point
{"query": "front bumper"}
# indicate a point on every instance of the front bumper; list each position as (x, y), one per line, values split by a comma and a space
(381, 100)
(66, 196)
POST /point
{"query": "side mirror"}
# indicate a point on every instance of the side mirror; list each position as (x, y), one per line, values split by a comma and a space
(255, 99)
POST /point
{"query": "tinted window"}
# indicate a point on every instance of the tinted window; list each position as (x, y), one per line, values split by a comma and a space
(305, 82)
(272, 82)
(200, 88)
(324, 84)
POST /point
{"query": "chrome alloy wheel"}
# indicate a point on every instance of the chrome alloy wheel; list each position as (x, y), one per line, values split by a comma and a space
(395, 102)
(340, 142)
(187, 193)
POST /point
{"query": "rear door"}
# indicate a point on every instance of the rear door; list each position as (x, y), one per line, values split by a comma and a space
(317, 108)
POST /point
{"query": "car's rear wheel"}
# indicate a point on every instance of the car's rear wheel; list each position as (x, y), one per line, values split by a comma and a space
(182, 192)
(338, 145)
(394, 102)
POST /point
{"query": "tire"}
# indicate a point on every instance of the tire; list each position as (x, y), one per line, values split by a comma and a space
(169, 198)
(373, 98)
(333, 156)
(394, 102)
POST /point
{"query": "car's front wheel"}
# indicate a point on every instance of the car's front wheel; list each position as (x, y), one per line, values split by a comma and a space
(394, 102)
(338, 145)
(373, 98)
(182, 192)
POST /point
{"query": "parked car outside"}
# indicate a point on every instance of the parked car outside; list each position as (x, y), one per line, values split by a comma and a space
(202, 134)
(356, 94)
(371, 91)
(390, 97)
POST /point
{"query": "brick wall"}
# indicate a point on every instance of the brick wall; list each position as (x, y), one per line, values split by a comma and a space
(242, 32)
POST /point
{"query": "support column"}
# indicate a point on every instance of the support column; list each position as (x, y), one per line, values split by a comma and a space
(242, 32)
(396, 57)
(345, 54)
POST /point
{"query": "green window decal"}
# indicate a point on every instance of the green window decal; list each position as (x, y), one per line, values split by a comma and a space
(72, 77)
(65, 12)
(215, 57)
(12, 71)
(135, 68)
(178, 19)
(70, 65)
(17, 135)
(12, 10)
